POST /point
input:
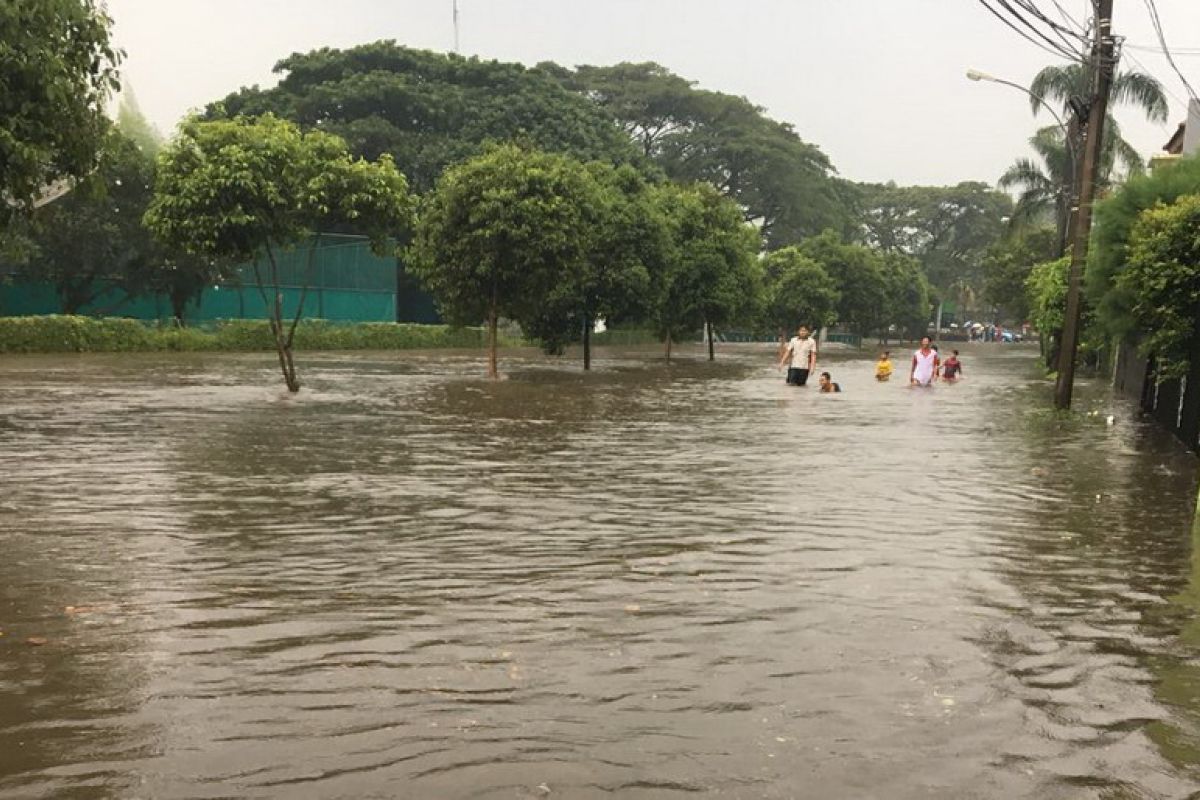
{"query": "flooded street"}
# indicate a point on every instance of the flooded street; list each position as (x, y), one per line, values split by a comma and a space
(648, 581)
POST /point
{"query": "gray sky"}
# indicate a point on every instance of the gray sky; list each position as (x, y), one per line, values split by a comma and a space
(878, 84)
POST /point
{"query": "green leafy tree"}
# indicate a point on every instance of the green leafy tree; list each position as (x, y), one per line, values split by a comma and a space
(501, 233)
(58, 69)
(857, 271)
(429, 110)
(1006, 269)
(906, 296)
(244, 189)
(1045, 189)
(1115, 219)
(946, 228)
(714, 278)
(1162, 277)
(798, 291)
(628, 244)
(1047, 287)
(783, 185)
(93, 238)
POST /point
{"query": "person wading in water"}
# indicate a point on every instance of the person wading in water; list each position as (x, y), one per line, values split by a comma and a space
(924, 364)
(801, 357)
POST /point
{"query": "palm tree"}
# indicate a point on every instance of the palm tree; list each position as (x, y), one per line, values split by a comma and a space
(1049, 190)
(1046, 188)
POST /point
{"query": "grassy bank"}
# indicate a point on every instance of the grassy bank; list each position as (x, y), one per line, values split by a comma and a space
(66, 334)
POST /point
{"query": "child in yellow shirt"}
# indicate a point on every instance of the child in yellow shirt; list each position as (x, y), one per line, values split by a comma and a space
(883, 368)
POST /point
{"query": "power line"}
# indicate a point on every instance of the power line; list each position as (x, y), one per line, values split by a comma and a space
(1152, 7)
(1070, 20)
(1066, 45)
(1052, 48)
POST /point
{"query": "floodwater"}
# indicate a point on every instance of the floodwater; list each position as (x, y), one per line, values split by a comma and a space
(644, 582)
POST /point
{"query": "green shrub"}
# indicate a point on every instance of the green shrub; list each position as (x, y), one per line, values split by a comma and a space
(67, 334)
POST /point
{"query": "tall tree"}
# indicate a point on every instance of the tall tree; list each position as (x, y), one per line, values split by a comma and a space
(501, 233)
(798, 291)
(245, 189)
(429, 110)
(784, 185)
(907, 296)
(59, 68)
(1069, 85)
(946, 228)
(628, 244)
(1006, 268)
(858, 273)
(1046, 189)
(93, 239)
(713, 277)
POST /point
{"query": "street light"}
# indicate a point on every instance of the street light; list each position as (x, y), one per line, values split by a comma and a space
(976, 75)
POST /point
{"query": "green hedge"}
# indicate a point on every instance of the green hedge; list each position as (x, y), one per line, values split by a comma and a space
(66, 334)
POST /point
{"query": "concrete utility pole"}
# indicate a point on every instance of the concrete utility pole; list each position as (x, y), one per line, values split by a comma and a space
(1103, 65)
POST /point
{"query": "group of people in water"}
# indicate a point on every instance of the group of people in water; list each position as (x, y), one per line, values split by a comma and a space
(799, 355)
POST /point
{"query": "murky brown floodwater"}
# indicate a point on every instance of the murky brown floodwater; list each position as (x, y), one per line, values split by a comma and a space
(644, 582)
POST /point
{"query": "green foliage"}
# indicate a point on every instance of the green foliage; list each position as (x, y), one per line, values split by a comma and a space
(783, 184)
(1047, 286)
(1007, 266)
(1162, 278)
(946, 228)
(1115, 219)
(57, 70)
(907, 294)
(713, 275)
(628, 241)
(242, 189)
(429, 110)
(96, 230)
(858, 273)
(504, 233)
(798, 291)
(71, 334)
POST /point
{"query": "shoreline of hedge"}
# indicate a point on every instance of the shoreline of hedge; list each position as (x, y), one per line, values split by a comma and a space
(75, 334)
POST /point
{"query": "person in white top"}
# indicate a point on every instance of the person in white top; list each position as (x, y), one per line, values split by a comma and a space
(924, 364)
(800, 356)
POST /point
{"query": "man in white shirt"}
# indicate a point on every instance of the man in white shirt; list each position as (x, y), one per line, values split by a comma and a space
(800, 357)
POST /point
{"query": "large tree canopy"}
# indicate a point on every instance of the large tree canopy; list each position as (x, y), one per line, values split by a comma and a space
(57, 69)
(946, 228)
(247, 188)
(783, 184)
(430, 110)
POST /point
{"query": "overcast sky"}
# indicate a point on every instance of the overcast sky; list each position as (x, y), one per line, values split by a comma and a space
(878, 84)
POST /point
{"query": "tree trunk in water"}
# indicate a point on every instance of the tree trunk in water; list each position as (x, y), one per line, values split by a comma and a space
(668, 347)
(493, 324)
(587, 342)
(711, 353)
(282, 348)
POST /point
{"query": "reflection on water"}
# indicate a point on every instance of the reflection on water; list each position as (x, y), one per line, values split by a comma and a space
(649, 581)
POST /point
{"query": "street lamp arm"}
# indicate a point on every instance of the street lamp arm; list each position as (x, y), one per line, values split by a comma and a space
(976, 75)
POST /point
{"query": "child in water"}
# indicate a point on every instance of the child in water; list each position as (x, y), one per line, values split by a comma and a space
(827, 384)
(883, 367)
(952, 368)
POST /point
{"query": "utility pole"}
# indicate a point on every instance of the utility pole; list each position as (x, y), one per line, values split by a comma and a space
(1103, 65)
(455, 3)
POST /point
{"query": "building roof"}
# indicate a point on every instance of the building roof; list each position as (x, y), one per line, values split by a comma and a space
(1174, 145)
